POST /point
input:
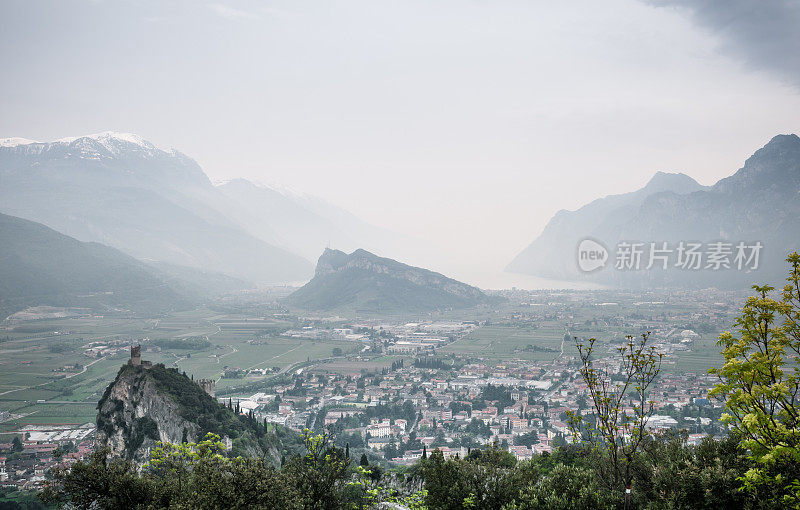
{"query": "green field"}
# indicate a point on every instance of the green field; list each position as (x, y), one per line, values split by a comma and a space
(375, 365)
(704, 354)
(36, 389)
(506, 342)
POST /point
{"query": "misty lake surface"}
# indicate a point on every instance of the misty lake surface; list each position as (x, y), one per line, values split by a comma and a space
(503, 280)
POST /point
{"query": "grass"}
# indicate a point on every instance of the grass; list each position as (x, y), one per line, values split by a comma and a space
(505, 342)
(342, 366)
(704, 354)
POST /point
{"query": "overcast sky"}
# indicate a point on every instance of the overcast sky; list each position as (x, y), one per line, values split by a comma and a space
(467, 124)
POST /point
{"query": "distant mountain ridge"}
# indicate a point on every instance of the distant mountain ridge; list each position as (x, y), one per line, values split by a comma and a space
(158, 205)
(303, 224)
(550, 255)
(39, 266)
(304, 234)
(758, 203)
(363, 281)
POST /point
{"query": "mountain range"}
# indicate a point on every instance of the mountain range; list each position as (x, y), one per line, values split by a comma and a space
(301, 223)
(158, 205)
(364, 282)
(760, 203)
(39, 266)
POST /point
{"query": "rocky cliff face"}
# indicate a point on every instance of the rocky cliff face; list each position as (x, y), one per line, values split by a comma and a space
(134, 415)
(145, 405)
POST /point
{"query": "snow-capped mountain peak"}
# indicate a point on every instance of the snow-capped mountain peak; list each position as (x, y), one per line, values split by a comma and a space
(112, 142)
(15, 141)
(107, 144)
(107, 136)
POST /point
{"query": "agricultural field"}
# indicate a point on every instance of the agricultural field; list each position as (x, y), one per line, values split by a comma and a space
(345, 366)
(48, 376)
(541, 343)
(536, 333)
(703, 355)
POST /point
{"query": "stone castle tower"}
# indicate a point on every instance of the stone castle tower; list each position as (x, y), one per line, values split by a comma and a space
(136, 356)
(208, 385)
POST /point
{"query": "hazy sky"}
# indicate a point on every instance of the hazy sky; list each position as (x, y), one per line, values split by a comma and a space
(467, 124)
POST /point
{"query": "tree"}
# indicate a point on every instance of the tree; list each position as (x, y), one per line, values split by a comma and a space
(528, 439)
(187, 475)
(63, 449)
(16, 444)
(445, 483)
(390, 451)
(566, 488)
(672, 474)
(759, 383)
(319, 474)
(364, 460)
(97, 483)
(176, 461)
(616, 428)
(487, 479)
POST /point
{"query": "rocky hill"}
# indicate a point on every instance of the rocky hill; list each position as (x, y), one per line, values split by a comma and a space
(146, 404)
(365, 282)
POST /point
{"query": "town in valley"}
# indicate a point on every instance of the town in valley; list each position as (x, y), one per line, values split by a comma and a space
(392, 387)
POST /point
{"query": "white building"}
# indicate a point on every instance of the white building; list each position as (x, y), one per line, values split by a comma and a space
(382, 429)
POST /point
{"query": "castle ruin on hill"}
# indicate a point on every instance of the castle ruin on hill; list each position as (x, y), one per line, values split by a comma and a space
(136, 358)
(208, 385)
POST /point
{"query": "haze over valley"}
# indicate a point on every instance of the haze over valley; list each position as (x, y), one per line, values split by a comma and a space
(159, 206)
(400, 255)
